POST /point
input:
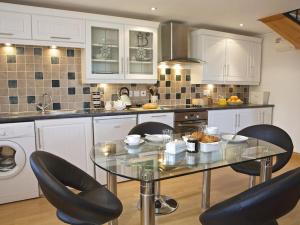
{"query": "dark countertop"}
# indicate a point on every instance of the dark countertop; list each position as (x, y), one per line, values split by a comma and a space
(32, 116)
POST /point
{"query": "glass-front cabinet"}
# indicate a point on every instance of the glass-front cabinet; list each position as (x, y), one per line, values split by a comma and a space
(105, 51)
(118, 53)
(141, 52)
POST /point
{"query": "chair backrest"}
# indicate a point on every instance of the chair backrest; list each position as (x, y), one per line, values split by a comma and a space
(260, 205)
(274, 135)
(55, 175)
(150, 128)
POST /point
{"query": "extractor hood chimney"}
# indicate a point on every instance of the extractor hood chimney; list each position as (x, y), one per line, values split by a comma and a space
(174, 42)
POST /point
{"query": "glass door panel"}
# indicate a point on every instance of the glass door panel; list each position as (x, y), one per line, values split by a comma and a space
(140, 52)
(105, 50)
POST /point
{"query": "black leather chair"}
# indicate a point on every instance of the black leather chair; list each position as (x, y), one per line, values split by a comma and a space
(163, 204)
(272, 134)
(93, 205)
(260, 205)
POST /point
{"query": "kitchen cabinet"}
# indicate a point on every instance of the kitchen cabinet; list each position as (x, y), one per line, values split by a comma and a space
(58, 29)
(120, 53)
(110, 128)
(229, 58)
(166, 118)
(70, 139)
(15, 25)
(234, 120)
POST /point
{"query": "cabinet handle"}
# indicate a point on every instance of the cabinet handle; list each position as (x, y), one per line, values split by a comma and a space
(159, 116)
(239, 120)
(122, 65)
(127, 68)
(62, 38)
(235, 121)
(40, 147)
(117, 126)
(227, 70)
(7, 34)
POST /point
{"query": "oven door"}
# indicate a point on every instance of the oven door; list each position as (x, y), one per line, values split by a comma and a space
(189, 126)
(12, 159)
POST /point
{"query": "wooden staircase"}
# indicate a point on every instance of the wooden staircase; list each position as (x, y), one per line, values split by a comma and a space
(286, 25)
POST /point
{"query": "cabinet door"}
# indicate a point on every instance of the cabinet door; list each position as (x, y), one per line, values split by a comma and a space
(111, 128)
(140, 53)
(254, 69)
(166, 118)
(246, 118)
(267, 115)
(104, 51)
(70, 139)
(58, 29)
(15, 25)
(237, 59)
(214, 55)
(225, 120)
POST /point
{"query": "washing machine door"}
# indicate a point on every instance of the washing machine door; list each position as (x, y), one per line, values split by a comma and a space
(12, 159)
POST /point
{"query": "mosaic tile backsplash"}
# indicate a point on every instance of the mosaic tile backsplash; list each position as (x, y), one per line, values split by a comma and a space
(27, 72)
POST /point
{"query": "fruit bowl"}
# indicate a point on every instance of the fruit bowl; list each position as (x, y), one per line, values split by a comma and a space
(235, 103)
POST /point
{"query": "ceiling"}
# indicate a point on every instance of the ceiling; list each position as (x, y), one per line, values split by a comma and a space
(225, 15)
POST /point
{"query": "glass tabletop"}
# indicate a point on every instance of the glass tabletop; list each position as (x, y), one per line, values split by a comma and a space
(150, 161)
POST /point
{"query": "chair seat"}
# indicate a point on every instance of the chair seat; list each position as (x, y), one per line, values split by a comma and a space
(100, 196)
(250, 168)
(70, 220)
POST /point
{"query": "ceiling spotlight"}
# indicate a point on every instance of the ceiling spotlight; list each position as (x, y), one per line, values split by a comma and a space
(7, 44)
(153, 8)
(241, 24)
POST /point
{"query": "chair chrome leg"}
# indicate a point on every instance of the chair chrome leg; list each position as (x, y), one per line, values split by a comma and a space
(206, 189)
(112, 187)
(163, 204)
(266, 169)
(147, 203)
(252, 181)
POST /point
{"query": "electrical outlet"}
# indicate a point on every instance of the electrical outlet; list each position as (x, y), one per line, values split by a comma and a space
(144, 93)
(136, 93)
(206, 92)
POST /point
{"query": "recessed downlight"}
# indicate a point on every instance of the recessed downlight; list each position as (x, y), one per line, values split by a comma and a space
(53, 47)
(153, 8)
(241, 24)
(7, 44)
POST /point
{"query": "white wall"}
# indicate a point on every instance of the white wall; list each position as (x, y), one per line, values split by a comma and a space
(281, 76)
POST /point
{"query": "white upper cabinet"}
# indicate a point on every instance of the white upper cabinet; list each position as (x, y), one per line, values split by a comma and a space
(104, 51)
(214, 54)
(230, 58)
(237, 55)
(15, 25)
(120, 53)
(51, 28)
(140, 53)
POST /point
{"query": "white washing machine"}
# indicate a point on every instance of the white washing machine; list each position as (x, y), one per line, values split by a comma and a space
(17, 181)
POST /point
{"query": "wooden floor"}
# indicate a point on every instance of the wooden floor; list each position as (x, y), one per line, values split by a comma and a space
(225, 183)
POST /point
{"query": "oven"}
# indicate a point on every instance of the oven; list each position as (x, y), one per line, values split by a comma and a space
(186, 122)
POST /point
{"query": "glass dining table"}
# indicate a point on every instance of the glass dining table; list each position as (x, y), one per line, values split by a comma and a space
(149, 163)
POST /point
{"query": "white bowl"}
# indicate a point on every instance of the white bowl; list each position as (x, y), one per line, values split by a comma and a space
(210, 147)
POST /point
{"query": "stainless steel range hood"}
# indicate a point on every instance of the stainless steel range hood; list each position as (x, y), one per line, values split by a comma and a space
(174, 43)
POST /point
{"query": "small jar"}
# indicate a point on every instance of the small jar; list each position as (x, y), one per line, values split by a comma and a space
(192, 145)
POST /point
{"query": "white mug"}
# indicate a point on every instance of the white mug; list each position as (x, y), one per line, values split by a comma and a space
(154, 99)
(133, 139)
(108, 105)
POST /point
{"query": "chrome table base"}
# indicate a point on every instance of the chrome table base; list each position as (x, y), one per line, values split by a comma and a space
(112, 187)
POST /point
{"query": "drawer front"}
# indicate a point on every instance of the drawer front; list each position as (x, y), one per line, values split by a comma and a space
(15, 25)
(58, 29)
(166, 118)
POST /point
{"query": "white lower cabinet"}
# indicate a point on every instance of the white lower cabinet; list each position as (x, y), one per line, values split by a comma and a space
(234, 120)
(166, 118)
(110, 128)
(70, 139)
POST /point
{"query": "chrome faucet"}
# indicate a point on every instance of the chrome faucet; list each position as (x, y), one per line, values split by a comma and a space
(43, 106)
